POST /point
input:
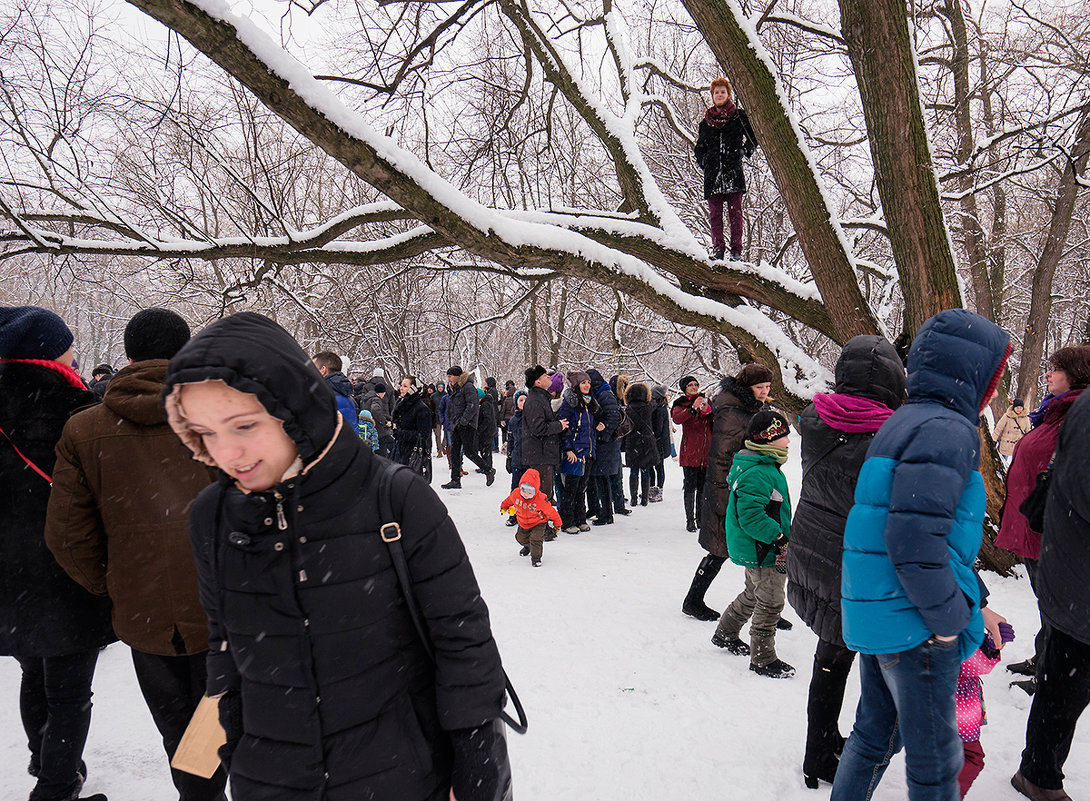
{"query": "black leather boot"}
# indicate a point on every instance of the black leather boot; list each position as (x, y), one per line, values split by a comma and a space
(694, 605)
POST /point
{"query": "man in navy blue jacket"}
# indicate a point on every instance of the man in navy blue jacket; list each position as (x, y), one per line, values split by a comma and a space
(911, 600)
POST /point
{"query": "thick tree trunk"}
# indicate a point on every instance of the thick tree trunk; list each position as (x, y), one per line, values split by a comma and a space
(820, 237)
(973, 232)
(1040, 303)
(882, 57)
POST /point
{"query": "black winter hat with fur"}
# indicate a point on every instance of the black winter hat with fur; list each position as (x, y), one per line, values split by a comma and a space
(533, 374)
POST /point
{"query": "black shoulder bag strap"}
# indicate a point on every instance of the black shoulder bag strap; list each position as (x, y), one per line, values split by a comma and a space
(840, 440)
(391, 535)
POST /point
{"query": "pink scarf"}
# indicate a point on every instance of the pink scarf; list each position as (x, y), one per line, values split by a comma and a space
(851, 413)
(718, 116)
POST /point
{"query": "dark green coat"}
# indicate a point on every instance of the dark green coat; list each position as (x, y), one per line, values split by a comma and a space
(759, 509)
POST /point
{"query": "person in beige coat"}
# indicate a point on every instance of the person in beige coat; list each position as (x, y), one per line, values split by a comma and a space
(1010, 429)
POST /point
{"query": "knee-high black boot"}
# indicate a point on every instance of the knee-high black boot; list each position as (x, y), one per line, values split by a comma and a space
(693, 604)
(689, 495)
(832, 664)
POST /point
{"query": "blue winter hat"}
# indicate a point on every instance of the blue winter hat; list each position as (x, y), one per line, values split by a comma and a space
(31, 332)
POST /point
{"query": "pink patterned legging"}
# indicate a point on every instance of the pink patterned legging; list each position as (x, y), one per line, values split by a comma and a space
(715, 217)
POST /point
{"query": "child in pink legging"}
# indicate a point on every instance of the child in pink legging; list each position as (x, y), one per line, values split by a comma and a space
(969, 697)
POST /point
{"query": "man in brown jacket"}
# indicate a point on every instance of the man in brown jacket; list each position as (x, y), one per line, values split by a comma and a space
(118, 523)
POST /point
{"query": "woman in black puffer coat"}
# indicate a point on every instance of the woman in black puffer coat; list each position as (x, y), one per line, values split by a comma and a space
(738, 399)
(836, 431)
(412, 420)
(327, 692)
(640, 448)
(48, 622)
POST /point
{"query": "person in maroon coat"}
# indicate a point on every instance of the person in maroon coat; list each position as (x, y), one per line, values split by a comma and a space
(694, 414)
(1067, 377)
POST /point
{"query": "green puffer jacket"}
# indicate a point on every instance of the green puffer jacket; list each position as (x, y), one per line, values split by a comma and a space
(759, 509)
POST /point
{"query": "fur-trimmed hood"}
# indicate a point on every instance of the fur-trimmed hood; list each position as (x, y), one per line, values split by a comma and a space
(252, 354)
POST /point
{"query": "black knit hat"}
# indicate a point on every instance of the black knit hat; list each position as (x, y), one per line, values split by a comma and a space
(767, 426)
(380, 388)
(490, 382)
(155, 334)
(1018, 402)
(31, 332)
(533, 374)
(684, 382)
(455, 370)
(102, 369)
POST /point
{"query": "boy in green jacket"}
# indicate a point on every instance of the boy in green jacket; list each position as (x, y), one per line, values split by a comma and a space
(758, 523)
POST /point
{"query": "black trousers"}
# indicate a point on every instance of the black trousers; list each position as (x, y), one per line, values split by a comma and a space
(1063, 692)
(692, 490)
(573, 503)
(463, 442)
(55, 706)
(658, 474)
(172, 687)
(832, 664)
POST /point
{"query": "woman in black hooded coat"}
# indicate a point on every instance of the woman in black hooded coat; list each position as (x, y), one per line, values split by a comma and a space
(837, 430)
(326, 690)
(640, 447)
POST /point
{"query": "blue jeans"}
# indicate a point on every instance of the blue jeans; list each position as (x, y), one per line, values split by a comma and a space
(906, 699)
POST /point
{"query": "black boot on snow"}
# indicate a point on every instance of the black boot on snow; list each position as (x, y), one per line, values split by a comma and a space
(694, 605)
(777, 669)
(525, 550)
(734, 645)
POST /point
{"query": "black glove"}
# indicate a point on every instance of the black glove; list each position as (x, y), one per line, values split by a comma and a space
(482, 771)
(230, 710)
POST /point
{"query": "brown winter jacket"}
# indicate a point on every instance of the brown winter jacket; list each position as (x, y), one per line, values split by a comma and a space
(1010, 429)
(732, 408)
(118, 520)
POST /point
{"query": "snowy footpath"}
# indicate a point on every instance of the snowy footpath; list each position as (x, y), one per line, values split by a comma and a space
(627, 698)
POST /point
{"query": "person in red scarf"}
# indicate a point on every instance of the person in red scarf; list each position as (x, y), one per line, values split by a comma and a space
(51, 625)
(724, 136)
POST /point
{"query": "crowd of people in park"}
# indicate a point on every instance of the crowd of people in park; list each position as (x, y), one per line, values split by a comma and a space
(243, 515)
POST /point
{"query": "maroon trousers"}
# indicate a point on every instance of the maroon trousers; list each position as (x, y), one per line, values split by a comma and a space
(733, 201)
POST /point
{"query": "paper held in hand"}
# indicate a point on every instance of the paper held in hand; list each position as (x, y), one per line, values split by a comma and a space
(198, 751)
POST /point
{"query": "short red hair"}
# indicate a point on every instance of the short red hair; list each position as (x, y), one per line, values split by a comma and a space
(721, 82)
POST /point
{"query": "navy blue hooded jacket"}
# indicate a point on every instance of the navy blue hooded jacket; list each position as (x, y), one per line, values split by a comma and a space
(912, 537)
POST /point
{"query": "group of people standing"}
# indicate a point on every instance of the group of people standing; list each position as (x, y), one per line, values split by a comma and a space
(218, 512)
(247, 563)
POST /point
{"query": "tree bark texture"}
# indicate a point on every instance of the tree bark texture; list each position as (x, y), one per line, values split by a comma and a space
(1040, 303)
(882, 56)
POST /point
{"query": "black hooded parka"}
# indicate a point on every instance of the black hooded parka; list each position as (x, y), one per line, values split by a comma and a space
(339, 700)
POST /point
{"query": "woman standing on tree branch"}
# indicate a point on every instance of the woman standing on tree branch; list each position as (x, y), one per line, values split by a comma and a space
(725, 135)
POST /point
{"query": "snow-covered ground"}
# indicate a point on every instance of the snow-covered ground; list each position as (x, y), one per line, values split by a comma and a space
(627, 698)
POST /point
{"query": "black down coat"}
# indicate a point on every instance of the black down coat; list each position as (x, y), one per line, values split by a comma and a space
(640, 447)
(1064, 584)
(732, 407)
(487, 420)
(412, 426)
(306, 617)
(869, 367)
(42, 611)
(540, 430)
(719, 153)
(463, 408)
(607, 454)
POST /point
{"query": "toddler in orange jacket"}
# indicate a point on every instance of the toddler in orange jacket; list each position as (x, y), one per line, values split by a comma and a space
(532, 511)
